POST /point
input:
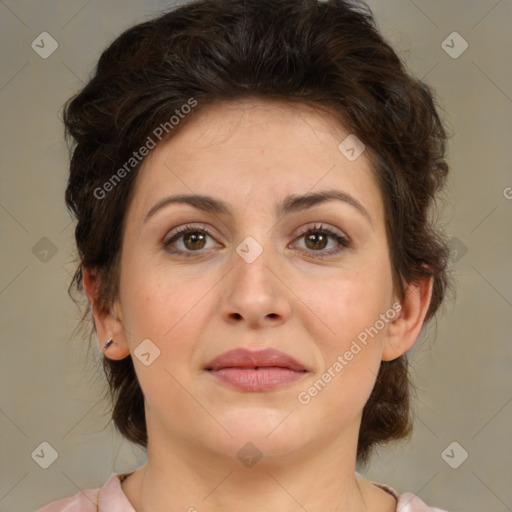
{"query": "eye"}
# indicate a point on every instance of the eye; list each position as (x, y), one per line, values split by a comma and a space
(188, 239)
(318, 238)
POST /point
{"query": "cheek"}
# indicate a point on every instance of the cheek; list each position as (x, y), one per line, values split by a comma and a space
(350, 356)
(166, 315)
(157, 297)
(350, 333)
(346, 306)
(173, 310)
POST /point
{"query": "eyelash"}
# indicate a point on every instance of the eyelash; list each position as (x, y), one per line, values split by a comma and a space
(181, 231)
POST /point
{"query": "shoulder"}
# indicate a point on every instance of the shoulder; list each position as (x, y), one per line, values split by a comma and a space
(408, 502)
(83, 501)
(90, 500)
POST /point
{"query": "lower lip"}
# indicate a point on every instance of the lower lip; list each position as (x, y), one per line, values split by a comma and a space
(257, 379)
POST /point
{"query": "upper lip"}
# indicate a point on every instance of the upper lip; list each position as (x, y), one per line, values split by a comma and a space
(244, 358)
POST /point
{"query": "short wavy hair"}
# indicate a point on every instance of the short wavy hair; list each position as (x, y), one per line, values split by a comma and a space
(327, 54)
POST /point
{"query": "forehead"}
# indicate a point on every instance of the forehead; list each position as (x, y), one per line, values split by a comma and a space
(255, 149)
(249, 122)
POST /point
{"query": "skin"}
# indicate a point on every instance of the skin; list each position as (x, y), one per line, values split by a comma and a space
(252, 154)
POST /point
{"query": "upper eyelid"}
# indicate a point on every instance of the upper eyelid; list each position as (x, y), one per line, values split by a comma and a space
(202, 227)
(185, 228)
(320, 226)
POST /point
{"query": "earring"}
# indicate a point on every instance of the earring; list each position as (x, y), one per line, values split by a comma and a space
(108, 343)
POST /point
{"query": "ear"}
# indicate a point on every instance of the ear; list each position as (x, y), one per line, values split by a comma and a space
(108, 323)
(405, 329)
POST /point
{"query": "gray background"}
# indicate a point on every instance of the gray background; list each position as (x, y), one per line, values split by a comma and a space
(49, 390)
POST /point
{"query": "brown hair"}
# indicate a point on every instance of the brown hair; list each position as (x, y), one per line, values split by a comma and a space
(327, 54)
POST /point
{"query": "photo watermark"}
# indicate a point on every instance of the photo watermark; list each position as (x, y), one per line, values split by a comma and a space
(304, 397)
(137, 156)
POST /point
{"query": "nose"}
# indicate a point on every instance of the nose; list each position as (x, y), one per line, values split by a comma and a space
(254, 294)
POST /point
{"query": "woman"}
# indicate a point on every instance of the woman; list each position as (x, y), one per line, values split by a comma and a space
(252, 183)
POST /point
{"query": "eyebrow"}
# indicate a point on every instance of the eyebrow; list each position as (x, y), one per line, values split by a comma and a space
(291, 203)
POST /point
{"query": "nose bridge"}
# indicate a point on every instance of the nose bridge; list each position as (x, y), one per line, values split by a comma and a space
(254, 292)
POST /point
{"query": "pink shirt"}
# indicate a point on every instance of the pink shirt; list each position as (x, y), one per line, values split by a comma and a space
(111, 498)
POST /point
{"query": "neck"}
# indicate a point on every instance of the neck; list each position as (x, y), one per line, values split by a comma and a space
(188, 477)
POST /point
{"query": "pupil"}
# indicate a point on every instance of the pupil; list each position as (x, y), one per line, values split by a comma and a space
(318, 241)
(196, 241)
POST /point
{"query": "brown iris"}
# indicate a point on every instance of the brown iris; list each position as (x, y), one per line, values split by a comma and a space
(316, 241)
(194, 241)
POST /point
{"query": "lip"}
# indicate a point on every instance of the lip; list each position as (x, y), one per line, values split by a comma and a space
(261, 370)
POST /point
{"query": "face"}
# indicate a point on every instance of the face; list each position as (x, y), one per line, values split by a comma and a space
(248, 261)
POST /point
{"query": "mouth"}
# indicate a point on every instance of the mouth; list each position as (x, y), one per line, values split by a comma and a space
(255, 371)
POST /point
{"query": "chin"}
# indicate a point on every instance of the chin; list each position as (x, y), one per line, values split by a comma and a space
(273, 432)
